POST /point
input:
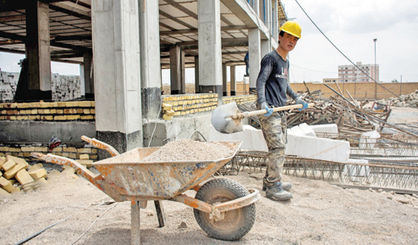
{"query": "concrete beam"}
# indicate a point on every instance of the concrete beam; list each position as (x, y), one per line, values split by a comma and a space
(243, 10)
(232, 80)
(254, 50)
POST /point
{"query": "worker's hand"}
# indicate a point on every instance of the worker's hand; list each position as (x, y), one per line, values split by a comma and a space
(303, 103)
(268, 109)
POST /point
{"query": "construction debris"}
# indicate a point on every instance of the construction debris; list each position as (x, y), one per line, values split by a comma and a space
(17, 174)
(409, 100)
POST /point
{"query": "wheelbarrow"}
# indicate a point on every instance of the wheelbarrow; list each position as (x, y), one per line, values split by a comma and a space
(223, 208)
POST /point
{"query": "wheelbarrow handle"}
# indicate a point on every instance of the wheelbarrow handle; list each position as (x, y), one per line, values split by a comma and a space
(69, 162)
(101, 145)
(263, 111)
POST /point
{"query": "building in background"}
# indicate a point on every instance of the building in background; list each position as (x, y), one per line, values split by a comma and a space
(330, 80)
(351, 73)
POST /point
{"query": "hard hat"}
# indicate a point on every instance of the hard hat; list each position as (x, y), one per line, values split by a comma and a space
(292, 28)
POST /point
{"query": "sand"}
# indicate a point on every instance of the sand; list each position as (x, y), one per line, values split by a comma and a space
(319, 213)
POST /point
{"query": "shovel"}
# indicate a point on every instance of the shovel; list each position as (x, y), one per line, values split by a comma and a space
(227, 118)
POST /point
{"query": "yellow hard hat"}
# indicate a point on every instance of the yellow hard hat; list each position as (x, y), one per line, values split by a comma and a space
(292, 28)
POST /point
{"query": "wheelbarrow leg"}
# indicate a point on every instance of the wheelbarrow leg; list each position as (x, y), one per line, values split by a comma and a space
(135, 223)
(160, 212)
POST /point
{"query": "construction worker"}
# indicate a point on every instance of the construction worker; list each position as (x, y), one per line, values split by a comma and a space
(272, 88)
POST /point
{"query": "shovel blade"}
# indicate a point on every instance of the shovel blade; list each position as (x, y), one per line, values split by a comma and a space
(221, 119)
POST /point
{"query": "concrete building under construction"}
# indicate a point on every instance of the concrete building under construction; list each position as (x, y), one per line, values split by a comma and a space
(122, 47)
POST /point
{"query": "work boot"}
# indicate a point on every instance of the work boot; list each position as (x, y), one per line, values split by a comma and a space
(285, 186)
(277, 193)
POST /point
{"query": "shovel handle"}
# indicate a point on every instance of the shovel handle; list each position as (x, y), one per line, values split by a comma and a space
(263, 111)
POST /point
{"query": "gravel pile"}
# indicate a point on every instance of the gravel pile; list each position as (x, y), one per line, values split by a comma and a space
(190, 150)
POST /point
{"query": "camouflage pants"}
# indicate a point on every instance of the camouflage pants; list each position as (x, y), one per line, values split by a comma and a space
(274, 131)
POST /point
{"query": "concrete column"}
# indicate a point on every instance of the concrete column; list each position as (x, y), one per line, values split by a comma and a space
(224, 81)
(196, 74)
(265, 47)
(175, 70)
(254, 51)
(115, 27)
(232, 80)
(88, 75)
(275, 20)
(150, 58)
(182, 71)
(38, 46)
(210, 53)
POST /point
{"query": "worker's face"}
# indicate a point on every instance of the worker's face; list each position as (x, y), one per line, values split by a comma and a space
(287, 42)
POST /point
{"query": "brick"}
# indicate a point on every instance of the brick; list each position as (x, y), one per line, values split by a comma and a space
(23, 177)
(37, 173)
(7, 185)
(72, 117)
(88, 117)
(47, 118)
(57, 149)
(69, 149)
(8, 165)
(16, 168)
(40, 149)
(94, 157)
(27, 148)
(35, 167)
(59, 118)
(17, 160)
(86, 111)
(42, 180)
(2, 161)
(84, 150)
(3, 192)
(84, 156)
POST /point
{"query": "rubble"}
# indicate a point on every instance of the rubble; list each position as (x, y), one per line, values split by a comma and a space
(408, 100)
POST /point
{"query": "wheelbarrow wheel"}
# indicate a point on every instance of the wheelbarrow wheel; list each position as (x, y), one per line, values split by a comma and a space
(237, 222)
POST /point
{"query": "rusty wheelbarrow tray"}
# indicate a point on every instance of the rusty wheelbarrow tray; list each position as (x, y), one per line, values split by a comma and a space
(126, 177)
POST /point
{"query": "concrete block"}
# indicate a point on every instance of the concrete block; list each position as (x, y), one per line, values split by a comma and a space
(23, 177)
(318, 148)
(84, 150)
(13, 171)
(252, 139)
(8, 165)
(325, 128)
(302, 129)
(38, 173)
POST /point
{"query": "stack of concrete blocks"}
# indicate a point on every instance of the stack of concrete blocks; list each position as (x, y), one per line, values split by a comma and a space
(8, 84)
(15, 173)
(302, 142)
(65, 87)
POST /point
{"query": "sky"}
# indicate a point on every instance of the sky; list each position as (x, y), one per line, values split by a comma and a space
(350, 25)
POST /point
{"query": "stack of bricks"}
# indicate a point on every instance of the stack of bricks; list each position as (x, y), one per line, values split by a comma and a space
(240, 99)
(189, 104)
(48, 111)
(83, 155)
(15, 173)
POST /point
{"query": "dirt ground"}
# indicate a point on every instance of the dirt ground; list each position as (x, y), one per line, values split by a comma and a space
(319, 213)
